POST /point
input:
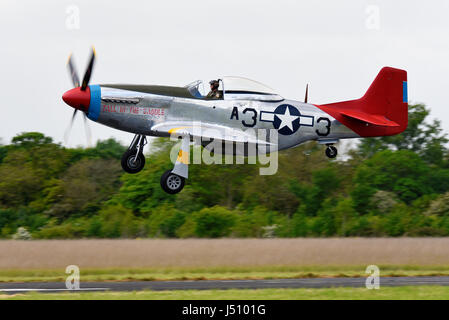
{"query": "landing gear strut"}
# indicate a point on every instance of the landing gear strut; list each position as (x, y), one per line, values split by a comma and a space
(172, 181)
(133, 159)
(331, 151)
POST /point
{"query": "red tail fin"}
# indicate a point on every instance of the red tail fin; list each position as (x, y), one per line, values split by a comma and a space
(382, 111)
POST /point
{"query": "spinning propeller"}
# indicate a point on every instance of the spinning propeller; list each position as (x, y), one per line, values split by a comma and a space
(79, 96)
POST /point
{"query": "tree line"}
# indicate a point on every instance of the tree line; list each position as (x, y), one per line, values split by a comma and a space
(388, 186)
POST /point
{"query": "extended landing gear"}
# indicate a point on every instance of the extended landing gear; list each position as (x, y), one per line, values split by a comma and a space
(133, 159)
(331, 151)
(133, 162)
(172, 183)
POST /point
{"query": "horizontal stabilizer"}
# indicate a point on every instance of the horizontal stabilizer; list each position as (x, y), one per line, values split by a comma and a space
(375, 119)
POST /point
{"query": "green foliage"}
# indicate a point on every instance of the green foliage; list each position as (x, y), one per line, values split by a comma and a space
(324, 183)
(392, 186)
(116, 221)
(29, 140)
(171, 224)
(439, 206)
(142, 192)
(106, 149)
(18, 186)
(214, 222)
(251, 223)
(84, 186)
(53, 230)
(164, 221)
(3, 152)
(12, 219)
(402, 172)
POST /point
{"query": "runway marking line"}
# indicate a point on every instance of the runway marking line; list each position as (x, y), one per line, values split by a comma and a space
(49, 289)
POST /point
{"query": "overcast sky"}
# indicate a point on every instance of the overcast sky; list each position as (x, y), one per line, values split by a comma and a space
(337, 47)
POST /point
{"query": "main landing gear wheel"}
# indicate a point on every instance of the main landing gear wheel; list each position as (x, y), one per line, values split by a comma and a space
(172, 183)
(331, 152)
(131, 163)
(133, 159)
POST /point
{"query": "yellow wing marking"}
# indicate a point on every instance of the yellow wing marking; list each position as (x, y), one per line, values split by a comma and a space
(176, 129)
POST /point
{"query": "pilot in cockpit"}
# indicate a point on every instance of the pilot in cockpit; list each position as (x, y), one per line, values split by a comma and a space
(214, 93)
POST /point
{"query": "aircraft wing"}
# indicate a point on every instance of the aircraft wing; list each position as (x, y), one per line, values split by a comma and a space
(209, 131)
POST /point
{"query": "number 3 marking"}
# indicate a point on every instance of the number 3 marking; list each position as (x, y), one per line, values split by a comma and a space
(328, 127)
(254, 118)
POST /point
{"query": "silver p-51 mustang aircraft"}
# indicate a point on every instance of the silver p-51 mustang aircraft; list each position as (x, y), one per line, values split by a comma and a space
(233, 106)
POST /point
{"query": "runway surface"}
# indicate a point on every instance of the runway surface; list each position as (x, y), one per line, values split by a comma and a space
(14, 287)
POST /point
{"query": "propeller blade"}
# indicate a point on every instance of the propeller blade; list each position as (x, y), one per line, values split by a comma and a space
(76, 84)
(73, 72)
(88, 132)
(88, 72)
(69, 129)
(307, 93)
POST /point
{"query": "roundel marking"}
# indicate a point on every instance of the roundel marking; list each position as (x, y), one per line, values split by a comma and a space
(286, 119)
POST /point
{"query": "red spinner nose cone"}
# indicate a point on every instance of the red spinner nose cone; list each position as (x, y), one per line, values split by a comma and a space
(77, 98)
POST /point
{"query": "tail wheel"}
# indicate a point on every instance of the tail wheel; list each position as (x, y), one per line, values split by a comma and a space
(172, 183)
(331, 152)
(132, 163)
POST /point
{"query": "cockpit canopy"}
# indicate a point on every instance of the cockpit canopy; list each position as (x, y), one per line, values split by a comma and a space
(236, 88)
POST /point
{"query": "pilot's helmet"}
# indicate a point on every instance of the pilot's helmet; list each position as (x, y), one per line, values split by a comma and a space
(214, 83)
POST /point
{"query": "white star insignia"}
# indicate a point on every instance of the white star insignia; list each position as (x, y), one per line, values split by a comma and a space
(286, 119)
